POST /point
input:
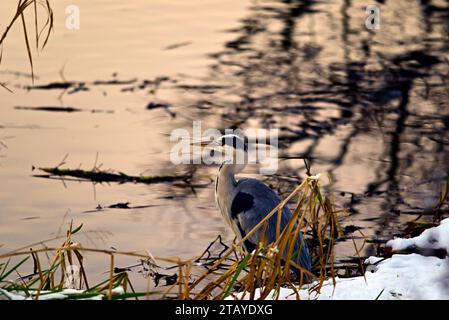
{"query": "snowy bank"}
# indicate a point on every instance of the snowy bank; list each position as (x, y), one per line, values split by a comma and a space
(61, 295)
(403, 276)
(430, 240)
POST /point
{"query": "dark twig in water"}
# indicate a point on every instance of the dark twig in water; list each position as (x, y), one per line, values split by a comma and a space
(149, 268)
(307, 164)
(120, 205)
(184, 180)
(207, 251)
(114, 82)
(79, 86)
(5, 87)
(64, 85)
(209, 256)
(61, 109)
(3, 145)
(104, 176)
(165, 106)
(177, 45)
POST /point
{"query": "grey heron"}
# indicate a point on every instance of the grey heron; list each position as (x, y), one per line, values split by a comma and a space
(244, 203)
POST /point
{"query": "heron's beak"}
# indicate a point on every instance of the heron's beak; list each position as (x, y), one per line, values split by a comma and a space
(202, 144)
(209, 145)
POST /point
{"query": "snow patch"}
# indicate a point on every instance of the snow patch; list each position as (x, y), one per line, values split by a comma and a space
(48, 295)
(411, 276)
(436, 238)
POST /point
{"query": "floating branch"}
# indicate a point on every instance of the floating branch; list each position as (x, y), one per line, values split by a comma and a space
(65, 85)
(61, 109)
(96, 175)
(120, 205)
(128, 85)
(105, 176)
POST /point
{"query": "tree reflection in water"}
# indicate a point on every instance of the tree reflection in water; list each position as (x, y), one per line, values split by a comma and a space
(369, 107)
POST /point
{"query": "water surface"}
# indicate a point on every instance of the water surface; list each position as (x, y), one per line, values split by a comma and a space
(369, 108)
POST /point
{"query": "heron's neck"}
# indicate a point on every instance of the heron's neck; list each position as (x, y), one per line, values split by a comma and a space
(225, 184)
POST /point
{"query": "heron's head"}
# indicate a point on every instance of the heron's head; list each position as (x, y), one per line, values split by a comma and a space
(229, 148)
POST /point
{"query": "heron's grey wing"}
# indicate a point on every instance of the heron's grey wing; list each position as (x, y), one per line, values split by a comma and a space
(252, 201)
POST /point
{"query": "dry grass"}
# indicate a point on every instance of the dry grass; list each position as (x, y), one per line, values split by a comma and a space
(41, 34)
(267, 268)
(52, 274)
